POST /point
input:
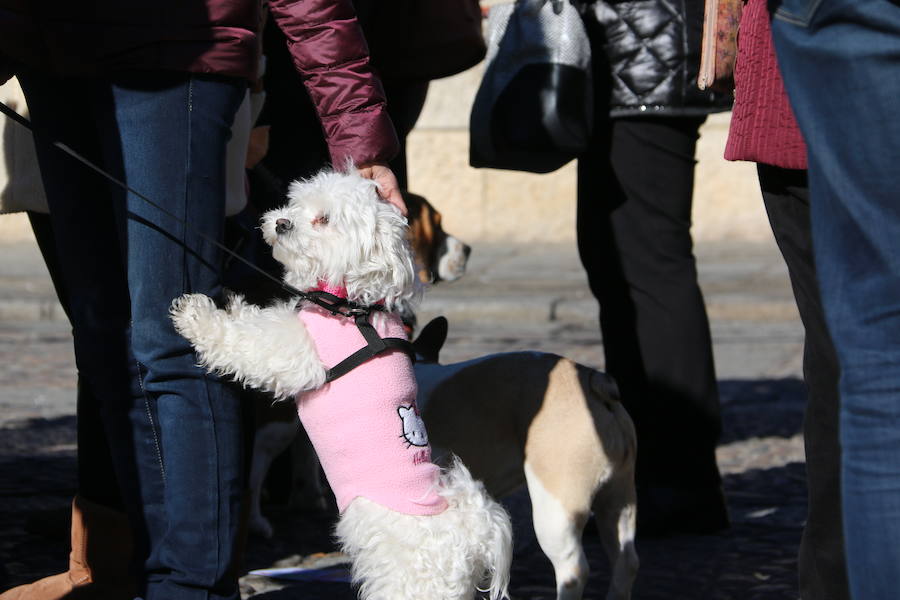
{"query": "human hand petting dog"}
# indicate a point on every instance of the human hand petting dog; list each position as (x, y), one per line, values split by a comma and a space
(388, 188)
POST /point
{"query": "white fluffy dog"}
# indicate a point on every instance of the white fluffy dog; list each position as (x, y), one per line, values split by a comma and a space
(411, 530)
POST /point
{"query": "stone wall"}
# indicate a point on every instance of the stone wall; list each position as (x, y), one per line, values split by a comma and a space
(489, 205)
(493, 205)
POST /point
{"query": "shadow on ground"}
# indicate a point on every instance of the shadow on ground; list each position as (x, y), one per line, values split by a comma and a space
(754, 560)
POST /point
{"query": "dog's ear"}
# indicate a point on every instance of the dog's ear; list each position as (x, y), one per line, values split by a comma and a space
(385, 271)
(421, 235)
(430, 341)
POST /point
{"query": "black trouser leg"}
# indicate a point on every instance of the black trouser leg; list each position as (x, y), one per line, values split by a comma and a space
(823, 574)
(406, 98)
(634, 216)
(96, 476)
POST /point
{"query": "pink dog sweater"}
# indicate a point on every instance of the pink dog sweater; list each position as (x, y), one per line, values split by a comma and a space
(365, 425)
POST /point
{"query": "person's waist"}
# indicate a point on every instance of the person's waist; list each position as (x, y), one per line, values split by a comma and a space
(94, 49)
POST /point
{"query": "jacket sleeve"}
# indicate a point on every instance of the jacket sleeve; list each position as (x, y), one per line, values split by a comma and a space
(330, 52)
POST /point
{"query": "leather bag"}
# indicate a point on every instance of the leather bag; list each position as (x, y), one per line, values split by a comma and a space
(718, 51)
(423, 39)
(534, 108)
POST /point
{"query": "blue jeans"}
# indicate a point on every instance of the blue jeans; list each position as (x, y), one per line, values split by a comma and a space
(841, 65)
(174, 432)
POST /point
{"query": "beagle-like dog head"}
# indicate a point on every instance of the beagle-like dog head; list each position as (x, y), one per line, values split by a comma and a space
(439, 255)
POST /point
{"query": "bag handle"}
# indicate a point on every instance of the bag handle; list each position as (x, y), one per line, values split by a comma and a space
(536, 5)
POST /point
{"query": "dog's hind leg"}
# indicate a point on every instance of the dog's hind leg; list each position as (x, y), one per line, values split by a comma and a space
(307, 490)
(558, 531)
(615, 512)
(271, 440)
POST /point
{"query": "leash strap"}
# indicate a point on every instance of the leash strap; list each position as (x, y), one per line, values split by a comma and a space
(333, 304)
(86, 162)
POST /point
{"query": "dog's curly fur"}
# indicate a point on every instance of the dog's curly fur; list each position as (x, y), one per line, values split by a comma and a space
(343, 235)
(474, 526)
(336, 230)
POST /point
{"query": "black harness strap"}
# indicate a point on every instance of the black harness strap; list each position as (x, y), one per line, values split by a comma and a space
(38, 134)
(375, 344)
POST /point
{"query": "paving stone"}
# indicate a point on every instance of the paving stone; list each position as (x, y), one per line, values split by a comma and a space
(536, 299)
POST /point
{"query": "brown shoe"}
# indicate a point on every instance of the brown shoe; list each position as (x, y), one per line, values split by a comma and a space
(98, 564)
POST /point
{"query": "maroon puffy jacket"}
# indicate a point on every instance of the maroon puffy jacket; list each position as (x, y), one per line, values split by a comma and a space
(217, 37)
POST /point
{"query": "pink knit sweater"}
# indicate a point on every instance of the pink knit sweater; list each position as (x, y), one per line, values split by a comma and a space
(763, 128)
(365, 426)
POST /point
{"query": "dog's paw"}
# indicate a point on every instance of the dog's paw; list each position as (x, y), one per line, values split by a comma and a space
(190, 312)
(234, 302)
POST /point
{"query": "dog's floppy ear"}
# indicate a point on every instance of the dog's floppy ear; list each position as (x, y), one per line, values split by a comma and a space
(384, 271)
(421, 234)
(430, 341)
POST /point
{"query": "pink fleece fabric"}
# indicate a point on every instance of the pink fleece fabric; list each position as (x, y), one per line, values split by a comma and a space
(365, 426)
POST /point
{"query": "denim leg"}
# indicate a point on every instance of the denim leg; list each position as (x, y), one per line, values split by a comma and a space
(179, 447)
(179, 163)
(841, 65)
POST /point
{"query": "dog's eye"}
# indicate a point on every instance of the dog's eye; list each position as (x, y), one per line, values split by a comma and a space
(320, 220)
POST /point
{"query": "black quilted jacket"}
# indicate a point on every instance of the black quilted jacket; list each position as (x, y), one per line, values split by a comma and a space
(648, 51)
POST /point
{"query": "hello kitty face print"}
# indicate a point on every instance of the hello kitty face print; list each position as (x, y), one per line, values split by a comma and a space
(365, 427)
(413, 426)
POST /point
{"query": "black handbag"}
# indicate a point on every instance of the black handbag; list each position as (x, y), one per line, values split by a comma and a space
(534, 108)
(423, 39)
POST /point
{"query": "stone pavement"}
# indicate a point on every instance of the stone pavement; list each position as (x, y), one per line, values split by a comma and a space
(520, 297)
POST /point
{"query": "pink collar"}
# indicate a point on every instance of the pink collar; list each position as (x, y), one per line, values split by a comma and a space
(339, 291)
(335, 290)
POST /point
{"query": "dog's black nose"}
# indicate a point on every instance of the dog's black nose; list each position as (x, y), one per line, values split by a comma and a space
(282, 225)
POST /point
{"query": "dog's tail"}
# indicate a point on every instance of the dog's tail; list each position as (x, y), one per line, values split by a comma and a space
(606, 390)
(604, 385)
(489, 526)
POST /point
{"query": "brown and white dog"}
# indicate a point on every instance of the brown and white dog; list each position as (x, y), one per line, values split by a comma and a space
(439, 255)
(540, 420)
(544, 421)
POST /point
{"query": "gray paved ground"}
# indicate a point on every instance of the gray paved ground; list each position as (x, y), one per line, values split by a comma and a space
(513, 298)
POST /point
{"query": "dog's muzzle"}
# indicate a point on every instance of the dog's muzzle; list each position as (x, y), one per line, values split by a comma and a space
(452, 257)
(282, 225)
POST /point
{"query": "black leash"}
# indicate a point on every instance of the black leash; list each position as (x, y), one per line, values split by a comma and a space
(333, 304)
(59, 145)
